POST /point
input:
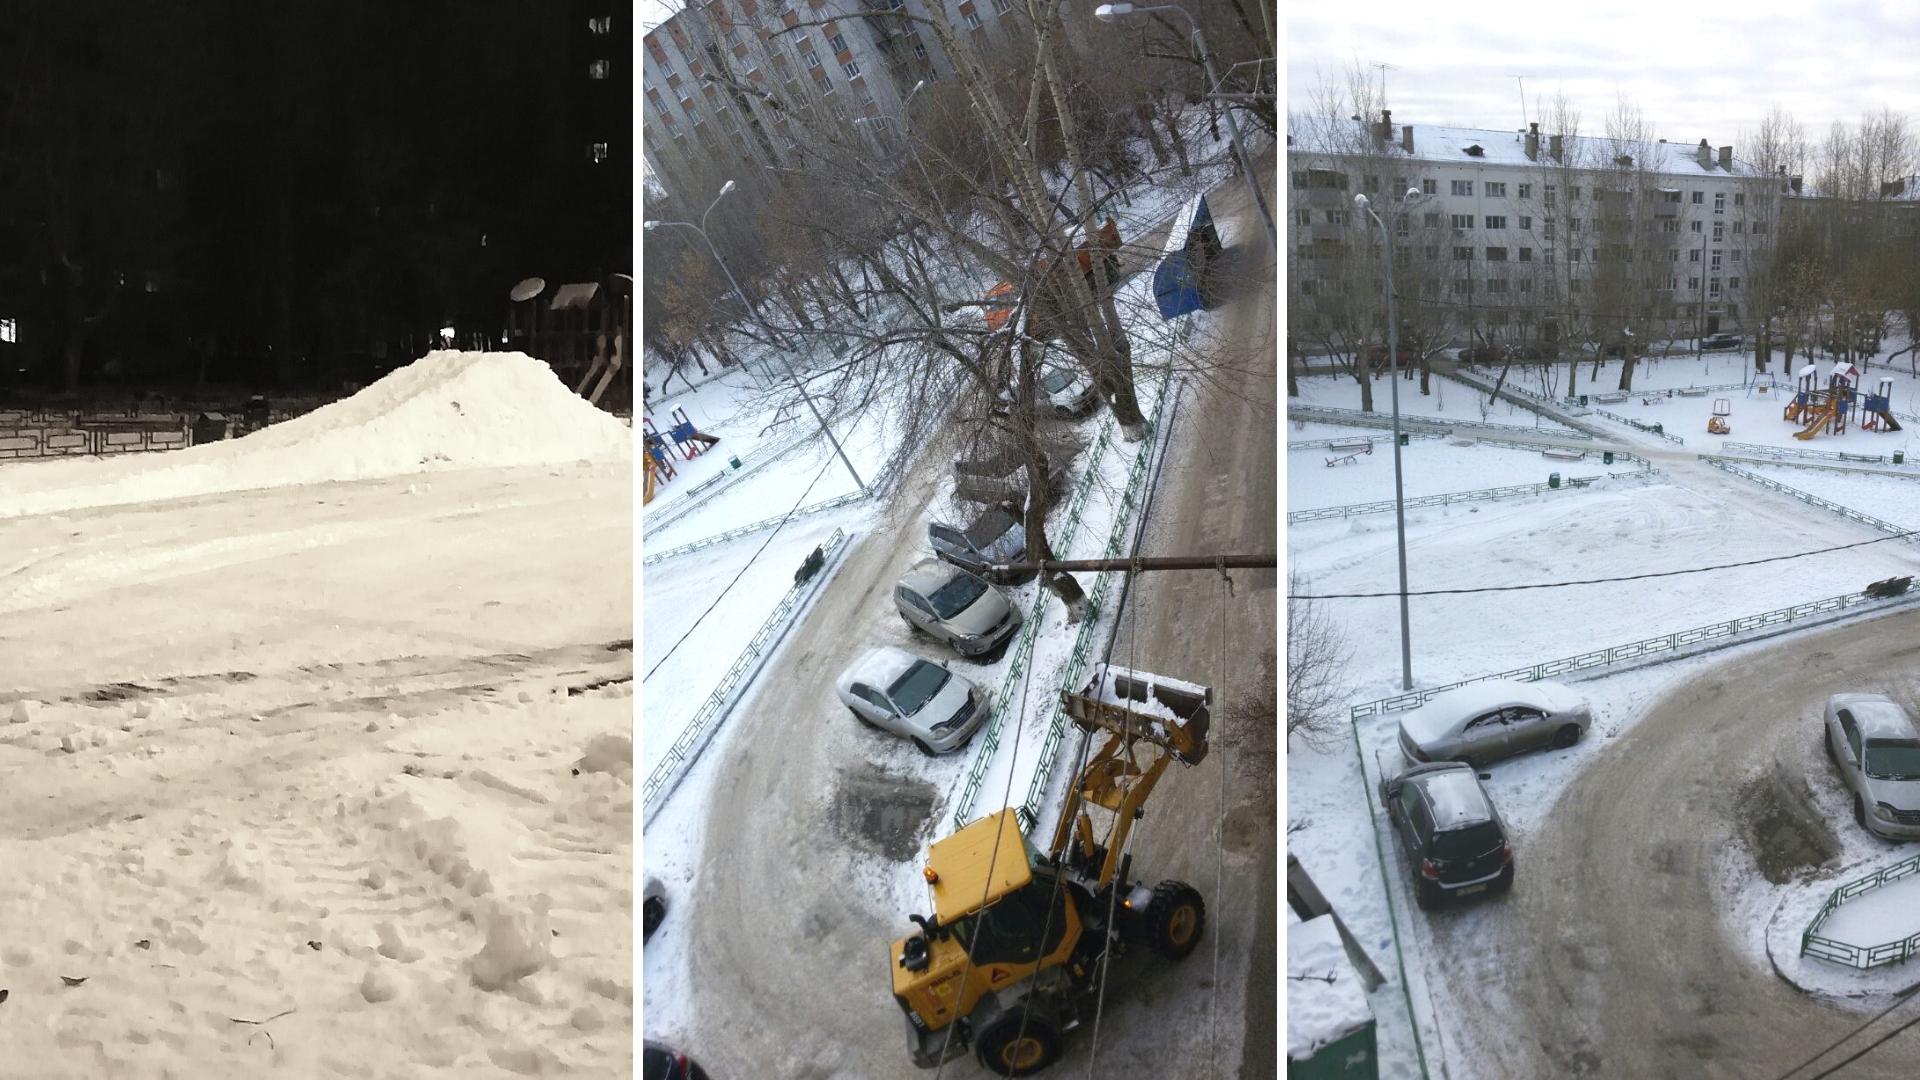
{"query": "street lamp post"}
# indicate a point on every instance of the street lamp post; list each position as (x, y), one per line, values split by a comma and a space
(1412, 196)
(1110, 12)
(754, 312)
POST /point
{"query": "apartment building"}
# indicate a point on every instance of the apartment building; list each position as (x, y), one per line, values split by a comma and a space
(1519, 233)
(721, 77)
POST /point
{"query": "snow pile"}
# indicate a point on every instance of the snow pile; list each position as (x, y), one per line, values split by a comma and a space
(1325, 1002)
(447, 410)
(517, 946)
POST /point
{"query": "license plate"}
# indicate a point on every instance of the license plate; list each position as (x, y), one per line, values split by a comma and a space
(1470, 889)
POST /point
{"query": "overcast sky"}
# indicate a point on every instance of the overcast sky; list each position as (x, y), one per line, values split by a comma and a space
(1695, 71)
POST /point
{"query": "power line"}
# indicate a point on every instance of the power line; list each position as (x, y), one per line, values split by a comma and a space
(1876, 1018)
(1602, 581)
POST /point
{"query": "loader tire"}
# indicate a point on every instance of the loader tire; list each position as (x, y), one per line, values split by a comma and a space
(1006, 1048)
(1176, 917)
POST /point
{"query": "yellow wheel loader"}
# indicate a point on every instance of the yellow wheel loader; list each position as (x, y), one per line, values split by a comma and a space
(1011, 958)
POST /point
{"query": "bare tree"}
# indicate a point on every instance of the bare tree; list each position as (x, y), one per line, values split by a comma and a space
(1317, 657)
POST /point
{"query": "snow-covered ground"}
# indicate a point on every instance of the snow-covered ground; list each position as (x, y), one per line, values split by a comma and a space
(1894, 499)
(1449, 400)
(1429, 467)
(318, 754)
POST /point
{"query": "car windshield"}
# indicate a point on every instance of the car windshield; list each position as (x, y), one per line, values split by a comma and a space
(1893, 759)
(1466, 843)
(992, 525)
(957, 595)
(914, 689)
(1056, 380)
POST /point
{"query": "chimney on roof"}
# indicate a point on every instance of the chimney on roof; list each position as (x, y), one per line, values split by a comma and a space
(1533, 142)
(1704, 154)
(1793, 182)
(1383, 131)
(1726, 158)
(1556, 145)
(1406, 137)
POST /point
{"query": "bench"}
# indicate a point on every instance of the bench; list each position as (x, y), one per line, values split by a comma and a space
(1345, 453)
(1563, 453)
(1875, 459)
(1580, 481)
(1614, 398)
(1694, 391)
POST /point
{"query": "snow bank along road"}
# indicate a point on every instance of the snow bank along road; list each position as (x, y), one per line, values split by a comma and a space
(1613, 957)
(352, 760)
(788, 926)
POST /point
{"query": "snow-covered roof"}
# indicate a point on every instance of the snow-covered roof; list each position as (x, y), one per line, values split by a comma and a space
(1325, 1001)
(1456, 798)
(1449, 144)
(878, 667)
(1878, 716)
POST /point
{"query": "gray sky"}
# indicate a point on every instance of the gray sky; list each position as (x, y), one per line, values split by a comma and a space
(1696, 71)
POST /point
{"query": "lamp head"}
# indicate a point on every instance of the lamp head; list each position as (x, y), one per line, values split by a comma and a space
(726, 187)
(1360, 200)
(648, 226)
(1413, 193)
(1110, 12)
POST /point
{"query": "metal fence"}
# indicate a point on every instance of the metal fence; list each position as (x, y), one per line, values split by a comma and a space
(665, 514)
(1815, 500)
(1632, 650)
(1511, 491)
(713, 711)
(1756, 450)
(1618, 455)
(1815, 466)
(1841, 952)
(1650, 429)
(1355, 418)
(1370, 440)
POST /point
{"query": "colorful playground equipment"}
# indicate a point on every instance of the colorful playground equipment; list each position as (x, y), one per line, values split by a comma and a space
(1876, 410)
(1717, 423)
(690, 441)
(1827, 409)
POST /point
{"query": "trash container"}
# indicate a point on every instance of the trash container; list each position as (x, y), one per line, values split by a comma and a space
(1553, 480)
(1607, 456)
(1899, 456)
(733, 462)
(1658, 430)
(1405, 439)
(1583, 401)
(210, 427)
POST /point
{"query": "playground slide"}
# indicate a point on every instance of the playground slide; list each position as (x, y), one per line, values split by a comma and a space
(1819, 417)
(1886, 418)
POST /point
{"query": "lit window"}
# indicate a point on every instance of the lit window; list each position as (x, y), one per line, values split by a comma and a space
(598, 152)
(598, 69)
(9, 330)
(600, 24)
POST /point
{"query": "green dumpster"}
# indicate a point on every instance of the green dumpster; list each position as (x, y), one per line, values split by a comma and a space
(1899, 456)
(1553, 480)
(1405, 439)
(733, 462)
(1607, 456)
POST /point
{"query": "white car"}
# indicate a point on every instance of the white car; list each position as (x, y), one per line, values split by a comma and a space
(914, 698)
(1487, 721)
(1875, 745)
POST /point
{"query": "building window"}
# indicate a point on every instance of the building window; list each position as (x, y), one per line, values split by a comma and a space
(920, 51)
(1526, 254)
(1719, 202)
(1462, 254)
(1573, 224)
(1694, 255)
(1526, 285)
(1496, 254)
(597, 152)
(1759, 227)
(1573, 255)
(1497, 285)
(1463, 221)
(731, 37)
(1719, 231)
(1496, 190)
(1336, 217)
(9, 330)
(1303, 217)
(1548, 227)
(1693, 226)
(1526, 191)
(1713, 288)
(1733, 283)
(838, 43)
(598, 69)
(1430, 187)
(1399, 186)
(1432, 220)
(1739, 227)
(1716, 260)
(1370, 184)
(1738, 255)
(666, 68)
(973, 20)
(852, 69)
(1496, 221)
(1001, 7)
(600, 24)
(811, 58)
(1693, 284)
(1671, 225)
(1402, 227)
(1526, 223)
(1549, 192)
(1739, 198)
(1699, 197)
(1573, 194)
(1463, 187)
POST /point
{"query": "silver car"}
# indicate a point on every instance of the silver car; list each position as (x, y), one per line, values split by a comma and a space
(956, 607)
(914, 698)
(1487, 721)
(1874, 743)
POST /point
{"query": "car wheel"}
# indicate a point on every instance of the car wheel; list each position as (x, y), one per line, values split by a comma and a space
(1176, 917)
(1426, 894)
(1566, 736)
(1826, 740)
(1504, 883)
(1859, 811)
(857, 715)
(923, 747)
(1017, 1043)
(913, 628)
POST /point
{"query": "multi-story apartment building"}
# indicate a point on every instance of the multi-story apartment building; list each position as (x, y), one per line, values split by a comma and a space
(721, 78)
(1520, 235)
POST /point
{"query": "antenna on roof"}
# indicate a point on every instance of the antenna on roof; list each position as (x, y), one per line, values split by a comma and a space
(1384, 68)
(1522, 80)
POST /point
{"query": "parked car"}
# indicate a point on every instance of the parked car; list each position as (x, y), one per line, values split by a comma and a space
(956, 607)
(653, 909)
(1455, 842)
(996, 536)
(1000, 478)
(914, 698)
(1069, 391)
(1874, 744)
(661, 1062)
(1715, 342)
(1487, 721)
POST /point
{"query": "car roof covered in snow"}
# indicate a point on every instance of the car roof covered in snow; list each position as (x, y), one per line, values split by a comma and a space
(1456, 798)
(926, 576)
(1325, 1000)
(1444, 713)
(1877, 715)
(877, 667)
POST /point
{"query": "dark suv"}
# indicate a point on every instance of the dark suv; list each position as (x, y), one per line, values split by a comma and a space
(1453, 836)
(996, 536)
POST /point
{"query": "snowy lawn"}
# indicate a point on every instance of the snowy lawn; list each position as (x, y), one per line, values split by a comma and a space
(1429, 467)
(1450, 400)
(1894, 499)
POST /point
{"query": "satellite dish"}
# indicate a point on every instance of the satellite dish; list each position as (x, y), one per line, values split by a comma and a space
(528, 289)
